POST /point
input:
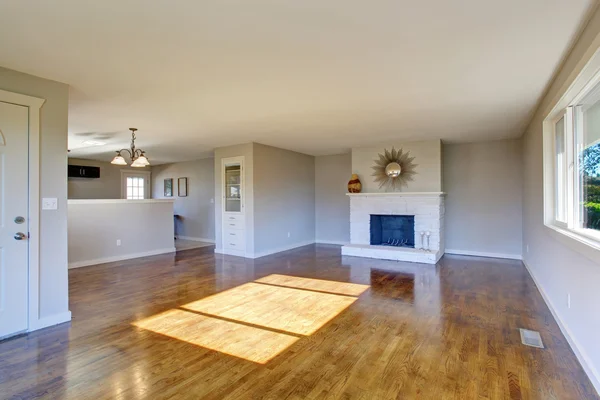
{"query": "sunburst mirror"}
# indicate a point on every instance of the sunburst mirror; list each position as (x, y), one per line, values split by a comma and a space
(394, 169)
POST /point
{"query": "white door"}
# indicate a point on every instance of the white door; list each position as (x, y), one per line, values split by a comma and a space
(14, 222)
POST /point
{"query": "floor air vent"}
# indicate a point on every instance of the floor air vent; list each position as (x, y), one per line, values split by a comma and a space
(531, 338)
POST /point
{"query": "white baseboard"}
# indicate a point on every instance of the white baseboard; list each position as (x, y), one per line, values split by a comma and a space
(49, 321)
(577, 349)
(331, 242)
(279, 249)
(484, 254)
(196, 239)
(104, 260)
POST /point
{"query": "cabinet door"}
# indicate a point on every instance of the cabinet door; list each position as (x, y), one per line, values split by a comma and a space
(233, 186)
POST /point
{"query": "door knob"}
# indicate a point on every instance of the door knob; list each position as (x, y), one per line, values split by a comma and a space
(20, 236)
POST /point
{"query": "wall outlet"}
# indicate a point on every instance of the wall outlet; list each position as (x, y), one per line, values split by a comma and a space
(569, 300)
(118, 242)
(289, 234)
(527, 248)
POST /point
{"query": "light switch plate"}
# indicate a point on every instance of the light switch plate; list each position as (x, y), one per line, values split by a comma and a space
(49, 203)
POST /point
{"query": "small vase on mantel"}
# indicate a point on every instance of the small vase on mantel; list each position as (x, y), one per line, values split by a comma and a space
(354, 185)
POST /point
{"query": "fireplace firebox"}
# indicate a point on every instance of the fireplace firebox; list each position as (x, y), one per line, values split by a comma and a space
(393, 230)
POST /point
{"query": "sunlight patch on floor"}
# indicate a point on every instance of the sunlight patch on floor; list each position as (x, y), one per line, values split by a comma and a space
(252, 344)
(256, 321)
(286, 309)
(321, 285)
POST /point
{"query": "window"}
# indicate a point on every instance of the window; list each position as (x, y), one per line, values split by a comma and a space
(560, 171)
(135, 185)
(575, 135)
(135, 188)
(587, 148)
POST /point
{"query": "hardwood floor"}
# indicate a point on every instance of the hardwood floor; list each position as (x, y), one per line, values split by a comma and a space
(196, 325)
(184, 244)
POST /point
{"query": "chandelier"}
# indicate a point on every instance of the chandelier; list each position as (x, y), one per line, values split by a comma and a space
(137, 156)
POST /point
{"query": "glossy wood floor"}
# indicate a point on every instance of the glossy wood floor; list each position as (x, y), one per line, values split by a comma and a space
(199, 326)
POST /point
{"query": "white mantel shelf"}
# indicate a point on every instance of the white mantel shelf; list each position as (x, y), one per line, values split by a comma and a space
(399, 194)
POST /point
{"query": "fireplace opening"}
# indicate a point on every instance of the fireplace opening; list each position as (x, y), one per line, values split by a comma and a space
(393, 230)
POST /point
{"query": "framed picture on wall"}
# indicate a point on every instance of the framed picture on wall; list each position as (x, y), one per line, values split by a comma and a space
(182, 187)
(169, 187)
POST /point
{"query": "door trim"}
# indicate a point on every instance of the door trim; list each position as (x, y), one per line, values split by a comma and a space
(147, 182)
(34, 104)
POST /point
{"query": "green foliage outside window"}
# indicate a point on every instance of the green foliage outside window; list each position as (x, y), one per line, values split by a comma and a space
(591, 188)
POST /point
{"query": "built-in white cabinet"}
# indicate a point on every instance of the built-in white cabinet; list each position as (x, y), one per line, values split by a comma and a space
(233, 216)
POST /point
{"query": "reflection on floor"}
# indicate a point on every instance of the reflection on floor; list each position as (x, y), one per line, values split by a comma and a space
(237, 329)
(254, 321)
(398, 285)
(184, 244)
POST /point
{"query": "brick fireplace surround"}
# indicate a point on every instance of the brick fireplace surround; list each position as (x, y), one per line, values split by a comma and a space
(428, 209)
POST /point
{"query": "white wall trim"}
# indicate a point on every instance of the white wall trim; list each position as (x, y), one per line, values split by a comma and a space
(34, 104)
(279, 249)
(118, 201)
(22, 100)
(579, 351)
(50, 321)
(338, 243)
(136, 173)
(130, 256)
(484, 254)
(196, 239)
(586, 247)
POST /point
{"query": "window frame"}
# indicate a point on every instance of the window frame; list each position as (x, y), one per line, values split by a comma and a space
(560, 223)
(577, 144)
(568, 106)
(146, 175)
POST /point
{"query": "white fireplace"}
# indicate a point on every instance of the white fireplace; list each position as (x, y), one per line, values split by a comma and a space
(427, 208)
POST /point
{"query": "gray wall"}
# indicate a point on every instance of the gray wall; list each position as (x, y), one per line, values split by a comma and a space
(284, 199)
(93, 237)
(483, 182)
(561, 265)
(53, 296)
(428, 157)
(108, 186)
(484, 185)
(241, 150)
(198, 208)
(332, 206)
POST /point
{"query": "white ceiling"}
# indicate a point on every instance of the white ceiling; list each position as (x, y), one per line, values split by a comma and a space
(313, 76)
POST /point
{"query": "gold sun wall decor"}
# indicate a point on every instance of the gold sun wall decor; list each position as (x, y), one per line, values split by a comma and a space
(394, 169)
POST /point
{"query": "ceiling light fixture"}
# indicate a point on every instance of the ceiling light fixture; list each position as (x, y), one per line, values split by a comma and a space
(137, 156)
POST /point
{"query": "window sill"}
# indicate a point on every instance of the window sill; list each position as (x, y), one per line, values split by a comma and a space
(578, 242)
